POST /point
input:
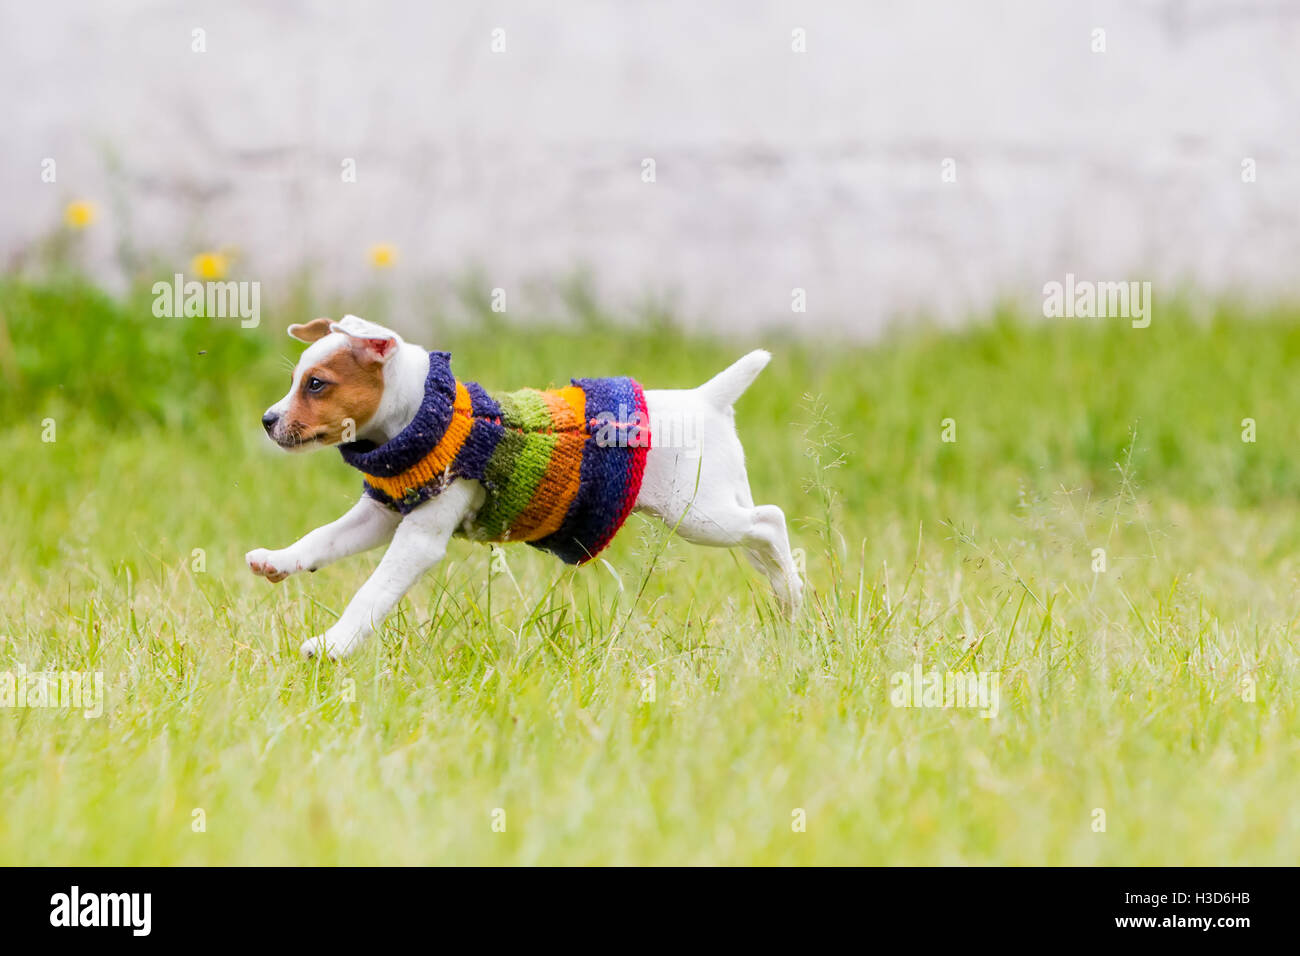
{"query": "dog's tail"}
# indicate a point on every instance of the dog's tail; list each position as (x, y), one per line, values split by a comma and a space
(723, 389)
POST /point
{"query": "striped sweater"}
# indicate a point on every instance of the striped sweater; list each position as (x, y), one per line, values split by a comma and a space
(561, 469)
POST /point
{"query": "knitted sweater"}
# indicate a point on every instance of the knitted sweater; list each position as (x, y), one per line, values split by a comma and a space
(561, 468)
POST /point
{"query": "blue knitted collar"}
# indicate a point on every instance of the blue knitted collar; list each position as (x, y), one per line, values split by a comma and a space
(412, 443)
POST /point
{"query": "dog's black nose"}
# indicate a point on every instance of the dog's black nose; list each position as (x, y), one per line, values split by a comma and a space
(269, 420)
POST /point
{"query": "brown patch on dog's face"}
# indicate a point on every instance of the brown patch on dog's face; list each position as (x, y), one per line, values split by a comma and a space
(333, 400)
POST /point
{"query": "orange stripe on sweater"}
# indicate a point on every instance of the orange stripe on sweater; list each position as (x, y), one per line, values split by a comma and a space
(555, 492)
(440, 457)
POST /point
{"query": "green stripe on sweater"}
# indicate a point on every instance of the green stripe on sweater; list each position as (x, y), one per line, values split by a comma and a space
(515, 470)
(525, 409)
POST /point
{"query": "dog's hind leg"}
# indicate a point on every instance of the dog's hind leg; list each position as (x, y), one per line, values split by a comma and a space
(695, 479)
(768, 547)
(760, 531)
(703, 493)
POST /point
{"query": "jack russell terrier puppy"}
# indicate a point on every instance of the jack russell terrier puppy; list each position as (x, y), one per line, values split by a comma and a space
(559, 469)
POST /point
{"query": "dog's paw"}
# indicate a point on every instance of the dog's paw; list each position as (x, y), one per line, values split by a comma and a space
(312, 648)
(331, 648)
(272, 565)
(793, 602)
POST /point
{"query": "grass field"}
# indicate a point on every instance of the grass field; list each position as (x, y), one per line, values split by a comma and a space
(655, 710)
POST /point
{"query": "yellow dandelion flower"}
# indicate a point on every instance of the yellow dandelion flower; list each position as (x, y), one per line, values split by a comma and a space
(80, 213)
(383, 255)
(210, 265)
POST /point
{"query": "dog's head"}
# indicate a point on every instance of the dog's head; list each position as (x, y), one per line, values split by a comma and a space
(338, 383)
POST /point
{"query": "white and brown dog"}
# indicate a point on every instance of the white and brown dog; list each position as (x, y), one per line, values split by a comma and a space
(360, 381)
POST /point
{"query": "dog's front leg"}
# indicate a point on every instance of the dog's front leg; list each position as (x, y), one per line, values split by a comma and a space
(419, 543)
(366, 525)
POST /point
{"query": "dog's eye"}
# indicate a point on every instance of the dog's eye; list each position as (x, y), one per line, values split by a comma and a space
(315, 385)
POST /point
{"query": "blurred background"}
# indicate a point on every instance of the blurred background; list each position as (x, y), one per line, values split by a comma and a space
(892, 159)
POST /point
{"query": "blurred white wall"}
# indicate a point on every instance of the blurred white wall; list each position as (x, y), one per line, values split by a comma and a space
(775, 169)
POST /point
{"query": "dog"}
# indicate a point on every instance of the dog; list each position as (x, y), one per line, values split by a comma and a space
(432, 450)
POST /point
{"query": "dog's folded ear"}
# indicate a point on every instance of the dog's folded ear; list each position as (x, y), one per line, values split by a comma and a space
(311, 331)
(372, 342)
